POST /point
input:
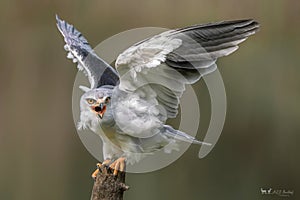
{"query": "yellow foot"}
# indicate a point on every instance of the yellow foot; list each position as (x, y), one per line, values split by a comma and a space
(94, 174)
(118, 165)
(104, 163)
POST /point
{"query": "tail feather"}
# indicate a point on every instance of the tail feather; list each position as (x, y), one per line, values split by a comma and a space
(179, 135)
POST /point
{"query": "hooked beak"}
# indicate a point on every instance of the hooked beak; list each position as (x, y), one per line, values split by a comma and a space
(100, 110)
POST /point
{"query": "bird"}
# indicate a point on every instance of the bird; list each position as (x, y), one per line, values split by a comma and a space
(127, 106)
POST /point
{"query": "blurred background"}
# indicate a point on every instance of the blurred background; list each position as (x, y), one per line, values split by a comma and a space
(41, 154)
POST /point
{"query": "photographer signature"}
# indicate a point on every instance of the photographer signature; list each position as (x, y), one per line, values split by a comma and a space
(279, 192)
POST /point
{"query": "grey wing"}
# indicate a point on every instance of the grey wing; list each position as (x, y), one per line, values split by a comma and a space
(168, 61)
(97, 70)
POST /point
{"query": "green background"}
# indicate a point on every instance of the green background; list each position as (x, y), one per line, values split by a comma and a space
(41, 154)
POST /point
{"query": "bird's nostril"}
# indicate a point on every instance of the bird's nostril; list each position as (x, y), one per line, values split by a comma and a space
(97, 109)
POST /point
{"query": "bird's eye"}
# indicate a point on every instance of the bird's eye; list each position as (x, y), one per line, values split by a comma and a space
(91, 101)
(107, 100)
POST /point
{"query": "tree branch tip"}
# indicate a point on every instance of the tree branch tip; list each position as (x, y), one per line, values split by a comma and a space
(124, 187)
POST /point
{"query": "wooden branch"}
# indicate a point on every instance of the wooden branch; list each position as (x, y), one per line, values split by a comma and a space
(108, 186)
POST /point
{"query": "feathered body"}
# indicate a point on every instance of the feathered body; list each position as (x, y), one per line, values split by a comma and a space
(128, 108)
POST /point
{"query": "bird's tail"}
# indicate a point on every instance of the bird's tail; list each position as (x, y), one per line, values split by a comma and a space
(179, 135)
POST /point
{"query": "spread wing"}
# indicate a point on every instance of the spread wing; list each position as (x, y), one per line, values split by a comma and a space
(97, 70)
(168, 61)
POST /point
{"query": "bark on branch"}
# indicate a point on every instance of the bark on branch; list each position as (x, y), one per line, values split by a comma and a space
(108, 186)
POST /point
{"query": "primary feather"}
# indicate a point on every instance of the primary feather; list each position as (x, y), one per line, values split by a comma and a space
(97, 70)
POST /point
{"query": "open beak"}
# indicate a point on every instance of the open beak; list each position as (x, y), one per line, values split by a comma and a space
(100, 110)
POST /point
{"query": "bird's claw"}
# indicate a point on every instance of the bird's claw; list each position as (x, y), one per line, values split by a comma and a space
(94, 174)
(105, 164)
(118, 166)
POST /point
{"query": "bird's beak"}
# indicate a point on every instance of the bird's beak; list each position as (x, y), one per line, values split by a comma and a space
(101, 113)
(100, 110)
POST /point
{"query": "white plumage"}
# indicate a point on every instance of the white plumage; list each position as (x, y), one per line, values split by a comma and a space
(128, 108)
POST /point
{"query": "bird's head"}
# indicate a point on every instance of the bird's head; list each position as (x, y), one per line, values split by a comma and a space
(98, 104)
(95, 107)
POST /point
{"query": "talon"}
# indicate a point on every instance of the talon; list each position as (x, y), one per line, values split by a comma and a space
(98, 165)
(118, 166)
(94, 174)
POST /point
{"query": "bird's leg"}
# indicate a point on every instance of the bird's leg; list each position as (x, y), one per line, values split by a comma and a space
(118, 165)
(104, 163)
